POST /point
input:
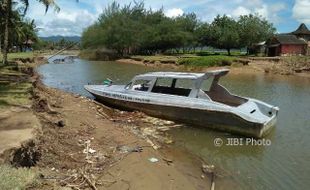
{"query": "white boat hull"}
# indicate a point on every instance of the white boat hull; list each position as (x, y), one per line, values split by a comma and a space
(199, 113)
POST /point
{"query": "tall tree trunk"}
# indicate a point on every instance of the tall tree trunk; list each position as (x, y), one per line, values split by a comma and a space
(0, 44)
(228, 50)
(7, 7)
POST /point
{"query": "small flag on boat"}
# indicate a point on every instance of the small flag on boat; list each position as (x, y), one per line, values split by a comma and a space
(107, 82)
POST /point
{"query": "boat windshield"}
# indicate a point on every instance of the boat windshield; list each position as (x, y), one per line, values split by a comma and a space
(141, 85)
(172, 86)
(206, 84)
(128, 86)
(211, 89)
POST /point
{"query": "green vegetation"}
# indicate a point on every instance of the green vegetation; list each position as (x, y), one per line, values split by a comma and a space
(155, 58)
(16, 31)
(15, 94)
(19, 55)
(207, 61)
(135, 30)
(16, 178)
(14, 87)
(253, 30)
(55, 45)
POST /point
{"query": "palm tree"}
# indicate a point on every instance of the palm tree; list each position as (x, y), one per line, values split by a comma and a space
(7, 7)
(1, 24)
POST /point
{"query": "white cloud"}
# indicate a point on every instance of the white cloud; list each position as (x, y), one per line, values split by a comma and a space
(262, 10)
(69, 21)
(74, 17)
(240, 11)
(67, 24)
(174, 12)
(301, 11)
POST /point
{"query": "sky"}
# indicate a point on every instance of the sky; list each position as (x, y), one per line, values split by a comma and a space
(73, 18)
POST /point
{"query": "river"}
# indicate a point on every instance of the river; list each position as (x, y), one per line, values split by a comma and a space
(284, 164)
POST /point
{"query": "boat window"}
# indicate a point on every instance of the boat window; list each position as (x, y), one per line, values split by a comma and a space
(171, 86)
(206, 84)
(128, 86)
(167, 82)
(141, 85)
(184, 83)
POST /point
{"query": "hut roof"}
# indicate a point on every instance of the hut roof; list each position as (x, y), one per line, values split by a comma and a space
(289, 39)
(302, 29)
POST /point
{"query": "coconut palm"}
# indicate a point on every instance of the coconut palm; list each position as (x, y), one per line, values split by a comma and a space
(1, 23)
(7, 10)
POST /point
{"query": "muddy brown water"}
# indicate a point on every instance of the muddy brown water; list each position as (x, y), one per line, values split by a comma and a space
(281, 162)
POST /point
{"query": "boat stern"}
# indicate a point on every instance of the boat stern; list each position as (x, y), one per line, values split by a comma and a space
(263, 116)
(268, 115)
(268, 125)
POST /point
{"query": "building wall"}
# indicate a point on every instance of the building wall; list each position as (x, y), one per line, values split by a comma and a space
(290, 49)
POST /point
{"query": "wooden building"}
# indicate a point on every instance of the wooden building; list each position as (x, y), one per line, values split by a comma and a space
(294, 43)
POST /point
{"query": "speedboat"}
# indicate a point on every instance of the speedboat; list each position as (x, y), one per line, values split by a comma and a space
(193, 98)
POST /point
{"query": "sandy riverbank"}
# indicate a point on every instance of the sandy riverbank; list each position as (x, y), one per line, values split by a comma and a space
(77, 143)
(255, 65)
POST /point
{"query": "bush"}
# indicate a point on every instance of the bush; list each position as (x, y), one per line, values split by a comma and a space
(207, 61)
(16, 178)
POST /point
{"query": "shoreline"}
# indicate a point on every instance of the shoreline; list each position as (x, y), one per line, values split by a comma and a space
(118, 147)
(254, 66)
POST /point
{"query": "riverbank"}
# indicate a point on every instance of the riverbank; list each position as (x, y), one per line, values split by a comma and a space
(78, 143)
(294, 65)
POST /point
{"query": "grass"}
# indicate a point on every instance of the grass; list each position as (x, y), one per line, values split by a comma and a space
(15, 94)
(198, 59)
(161, 58)
(19, 55)
(16, 178)
(9, 70)
(208, 53)
(12, 92)
(207, 61)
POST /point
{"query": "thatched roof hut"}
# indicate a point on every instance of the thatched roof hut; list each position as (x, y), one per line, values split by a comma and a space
(302, 32)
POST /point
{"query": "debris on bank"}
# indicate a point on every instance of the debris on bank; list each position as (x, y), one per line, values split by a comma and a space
(153, 130)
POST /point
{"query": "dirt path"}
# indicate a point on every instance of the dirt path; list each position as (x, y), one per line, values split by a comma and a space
(17, 126)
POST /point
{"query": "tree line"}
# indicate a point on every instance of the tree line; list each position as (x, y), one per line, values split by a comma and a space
(133, 29)
(56, 44)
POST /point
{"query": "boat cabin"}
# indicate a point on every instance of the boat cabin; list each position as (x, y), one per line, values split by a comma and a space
(193, 85)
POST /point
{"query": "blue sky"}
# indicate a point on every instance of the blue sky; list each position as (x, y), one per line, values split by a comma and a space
(75, 17)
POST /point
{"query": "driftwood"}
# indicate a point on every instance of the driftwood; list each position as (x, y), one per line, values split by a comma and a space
(212, 181)
(90, 183)
(62, 50)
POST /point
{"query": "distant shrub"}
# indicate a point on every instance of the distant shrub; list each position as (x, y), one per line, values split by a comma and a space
(207, 61)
